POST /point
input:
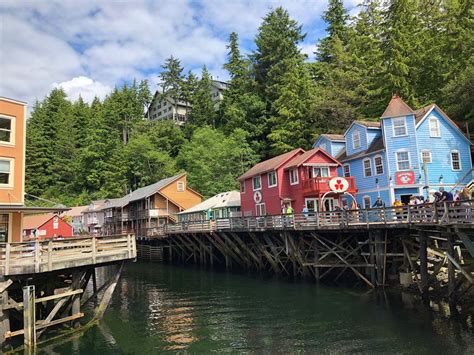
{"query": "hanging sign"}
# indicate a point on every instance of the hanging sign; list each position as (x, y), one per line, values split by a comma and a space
(257, 196)
(338, 184)
(405, 178)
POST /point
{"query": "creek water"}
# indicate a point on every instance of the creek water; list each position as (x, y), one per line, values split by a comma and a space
(160, 308)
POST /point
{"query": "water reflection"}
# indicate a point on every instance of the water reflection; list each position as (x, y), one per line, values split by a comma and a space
(159, 308)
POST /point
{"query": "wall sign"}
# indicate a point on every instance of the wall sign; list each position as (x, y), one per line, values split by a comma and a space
(405, 178)
(257, 197)
(338, 184)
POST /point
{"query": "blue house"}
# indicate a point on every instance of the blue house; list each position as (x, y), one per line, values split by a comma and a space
(331, 143)
(405, 153)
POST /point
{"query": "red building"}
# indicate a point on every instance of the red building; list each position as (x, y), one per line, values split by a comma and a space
(45, 226)
(295, 179)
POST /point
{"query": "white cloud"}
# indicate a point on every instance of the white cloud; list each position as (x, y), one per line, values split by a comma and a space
(84, 87)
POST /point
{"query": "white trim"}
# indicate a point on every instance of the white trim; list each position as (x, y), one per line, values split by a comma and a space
(380, 189)
(264, 208)
(363, 201)
(403, 150)
(343, 169)
(375, 165)
(253, 182)
(431, 119)
(22, 197)
(276, 179)
(183, 187)
(421, 156)
(358, 139)
(297, 177)
(12, 119)
(12, 100)
(459, 159)
(404, 118)
(370, 166)
(11, 177)
(320, 164)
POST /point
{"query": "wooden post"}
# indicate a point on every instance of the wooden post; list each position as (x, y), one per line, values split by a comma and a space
(372, 247)
(7, 258)
(94, 250)
(37, 255)
(99, 313)
(29, 316)
(4, 313)
(76, 299)
(316, 259)
(451, 273)
(424, 264)
(50, 255)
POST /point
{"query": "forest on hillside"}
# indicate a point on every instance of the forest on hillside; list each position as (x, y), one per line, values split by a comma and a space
(278, 99)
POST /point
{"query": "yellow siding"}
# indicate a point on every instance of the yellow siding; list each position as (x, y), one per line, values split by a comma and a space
(185, 199)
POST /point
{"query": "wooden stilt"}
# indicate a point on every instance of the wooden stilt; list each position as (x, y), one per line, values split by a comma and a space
(76, 299)
(424, 264)
(451, 271)
(29, 316)
(99, 313)
(4, 313)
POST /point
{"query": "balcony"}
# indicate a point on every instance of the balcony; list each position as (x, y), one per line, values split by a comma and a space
(320, 185)
(151, 213)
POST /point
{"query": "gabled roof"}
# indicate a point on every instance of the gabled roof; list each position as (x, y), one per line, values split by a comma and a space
(334, 137)
(376, 146)
(270, 164)
(366, 124)
(35, 221)
(149, 190)
(75, 211)
(97, 206)
(397, 107)
(117, 202)
(301, 159)
(221, 200)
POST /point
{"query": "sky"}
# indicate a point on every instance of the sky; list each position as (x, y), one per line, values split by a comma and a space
(87, 47)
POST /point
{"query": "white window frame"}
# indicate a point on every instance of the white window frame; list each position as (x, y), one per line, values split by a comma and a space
(321, 171)
(272, 173)
(365, 169)
(434, 123)
(381, 165)
(397, 162)
(11, 176)
(354, 140)
(292, 180)
(242, 187)
(364, 199)
(12, 131)
(180, 186)
(400, 119)
(452, 161)
(259, 177)
(348, 172)
(429, 153)
(259, 210)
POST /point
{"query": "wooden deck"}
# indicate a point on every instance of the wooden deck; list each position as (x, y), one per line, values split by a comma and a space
(458, 215)
(45, 256)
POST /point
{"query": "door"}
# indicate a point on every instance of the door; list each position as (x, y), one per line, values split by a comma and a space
(330, 204)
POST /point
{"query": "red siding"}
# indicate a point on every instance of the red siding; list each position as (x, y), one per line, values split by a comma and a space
(64, 229)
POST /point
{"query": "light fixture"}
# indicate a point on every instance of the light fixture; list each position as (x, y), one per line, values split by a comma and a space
(441, 178)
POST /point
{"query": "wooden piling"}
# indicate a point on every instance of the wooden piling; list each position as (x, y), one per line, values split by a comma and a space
(451, 266)
(29, 316)
(424, 264)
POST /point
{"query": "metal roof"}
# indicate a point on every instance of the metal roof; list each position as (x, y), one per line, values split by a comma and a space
(221, 200)
(149, 190)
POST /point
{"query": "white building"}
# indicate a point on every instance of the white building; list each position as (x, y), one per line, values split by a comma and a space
(163, 107)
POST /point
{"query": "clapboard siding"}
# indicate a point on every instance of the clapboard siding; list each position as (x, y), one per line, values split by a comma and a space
(363, 139)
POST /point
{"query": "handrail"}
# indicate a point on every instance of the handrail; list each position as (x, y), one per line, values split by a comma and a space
(455, 212)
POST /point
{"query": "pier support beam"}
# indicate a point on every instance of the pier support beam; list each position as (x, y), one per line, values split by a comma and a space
(29, 316)
(424, 265)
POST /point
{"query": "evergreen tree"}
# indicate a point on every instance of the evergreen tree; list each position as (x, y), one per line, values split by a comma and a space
(203, 111)
(172, 80)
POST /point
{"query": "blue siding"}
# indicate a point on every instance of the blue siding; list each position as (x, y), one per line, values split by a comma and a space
(336, 148)
(394, 144)
(331, 147)
(406, 191)
(440, 148)
(384, 195)
(372, 134)
(363, 139)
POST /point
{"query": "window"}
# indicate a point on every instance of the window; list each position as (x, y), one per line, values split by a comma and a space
(367, 168)
(366, 201)
(320, 171)
(293, 176)
(435, 130)
(272, 179)
(180, 186)
(257, 182)
(347, 170)
(403, 160)
(356, 139)
(399, 127)
(426, 156)
(4, 227)
(6, 172)
(455, 160)
(260, 209)
(6, 129)
(378, 165)
(242, 187)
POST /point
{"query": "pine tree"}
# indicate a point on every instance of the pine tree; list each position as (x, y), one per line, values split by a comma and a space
(203, 111)
(172, 80)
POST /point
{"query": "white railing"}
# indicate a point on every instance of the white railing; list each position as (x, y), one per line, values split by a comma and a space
(429, 214)
(49, 255)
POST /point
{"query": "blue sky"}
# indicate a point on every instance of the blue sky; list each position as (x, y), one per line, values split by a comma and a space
(87, 46)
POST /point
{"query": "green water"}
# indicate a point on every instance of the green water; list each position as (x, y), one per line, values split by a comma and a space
(158, 308)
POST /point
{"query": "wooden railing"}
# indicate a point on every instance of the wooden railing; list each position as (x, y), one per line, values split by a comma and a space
(44, 256)
(452, 213)
(320, 185)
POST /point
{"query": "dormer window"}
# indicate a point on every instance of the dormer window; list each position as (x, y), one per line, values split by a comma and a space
(435, 130)
(356, 139)
(400, 127)
(180, 186)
